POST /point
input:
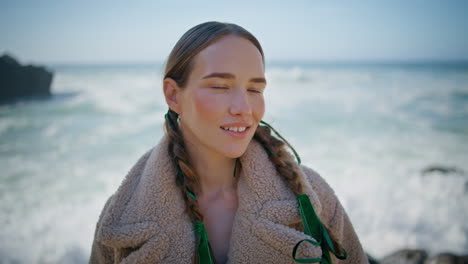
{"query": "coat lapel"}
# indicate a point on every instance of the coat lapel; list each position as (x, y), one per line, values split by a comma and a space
(266, 206)
(146, 216)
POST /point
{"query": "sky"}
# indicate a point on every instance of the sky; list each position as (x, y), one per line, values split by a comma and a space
(310, 30)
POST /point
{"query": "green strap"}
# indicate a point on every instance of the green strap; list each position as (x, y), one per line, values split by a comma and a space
(314, 228)
(282, 138)
(191, 194)
(305, 260)
(311, 222)
(331, 248)
(204, 255)
(203, 250)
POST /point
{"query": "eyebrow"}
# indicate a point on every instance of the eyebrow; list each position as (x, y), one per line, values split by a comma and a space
(226, 75)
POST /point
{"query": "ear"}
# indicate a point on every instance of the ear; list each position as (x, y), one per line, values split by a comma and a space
(172, 93)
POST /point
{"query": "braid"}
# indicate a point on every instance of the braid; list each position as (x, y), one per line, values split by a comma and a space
(277, 154)
(285, 167)
(186, 177)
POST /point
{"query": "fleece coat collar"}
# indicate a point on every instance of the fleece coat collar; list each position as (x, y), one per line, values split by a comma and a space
(145, 220)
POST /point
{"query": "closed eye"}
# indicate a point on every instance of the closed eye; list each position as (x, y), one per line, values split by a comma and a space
(255, 91)
(219, 87)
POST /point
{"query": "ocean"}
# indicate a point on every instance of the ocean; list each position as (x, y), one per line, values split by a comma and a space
(372, 130)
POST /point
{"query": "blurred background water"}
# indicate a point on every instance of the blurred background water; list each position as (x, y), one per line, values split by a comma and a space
(369, 129)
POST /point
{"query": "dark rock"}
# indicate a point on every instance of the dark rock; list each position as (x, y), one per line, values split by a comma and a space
(406, 256)
(447, 258)
(17, 81)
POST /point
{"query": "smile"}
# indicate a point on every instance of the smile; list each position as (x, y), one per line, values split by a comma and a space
(237, 132)
(235, 129)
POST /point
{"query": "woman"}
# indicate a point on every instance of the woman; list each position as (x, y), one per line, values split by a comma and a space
(219, 188)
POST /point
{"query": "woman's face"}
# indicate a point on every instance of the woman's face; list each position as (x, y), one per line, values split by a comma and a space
(222, 103)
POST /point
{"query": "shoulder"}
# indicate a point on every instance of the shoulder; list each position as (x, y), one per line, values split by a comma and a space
(335, 218)
(324, 191)
(142, 197)
(127, 185)
(317, 182)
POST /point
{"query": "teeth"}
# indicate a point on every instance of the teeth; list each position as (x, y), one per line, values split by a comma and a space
(235, 129)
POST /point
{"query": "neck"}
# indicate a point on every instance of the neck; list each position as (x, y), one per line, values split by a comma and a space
(214, 171)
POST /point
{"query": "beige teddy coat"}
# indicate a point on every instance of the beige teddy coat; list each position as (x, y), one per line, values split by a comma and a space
(145, 220)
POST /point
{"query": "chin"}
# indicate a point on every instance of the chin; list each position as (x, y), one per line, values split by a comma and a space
(235, 152)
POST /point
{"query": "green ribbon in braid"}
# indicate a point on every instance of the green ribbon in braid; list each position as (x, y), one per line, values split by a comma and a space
(282, 138)
(204, 248)
(312, 224)
(314, 228)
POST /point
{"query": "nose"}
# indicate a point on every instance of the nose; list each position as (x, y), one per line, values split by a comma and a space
(240, 104)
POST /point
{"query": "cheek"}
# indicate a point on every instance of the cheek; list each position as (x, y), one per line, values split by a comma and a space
(258, 107)
(207, 106)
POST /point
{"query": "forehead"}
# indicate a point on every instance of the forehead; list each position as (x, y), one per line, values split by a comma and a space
(230, 54)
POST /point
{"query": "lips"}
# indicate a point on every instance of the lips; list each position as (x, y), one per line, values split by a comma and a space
(236, 130)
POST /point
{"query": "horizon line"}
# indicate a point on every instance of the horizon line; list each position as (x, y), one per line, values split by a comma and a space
(429, 61)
